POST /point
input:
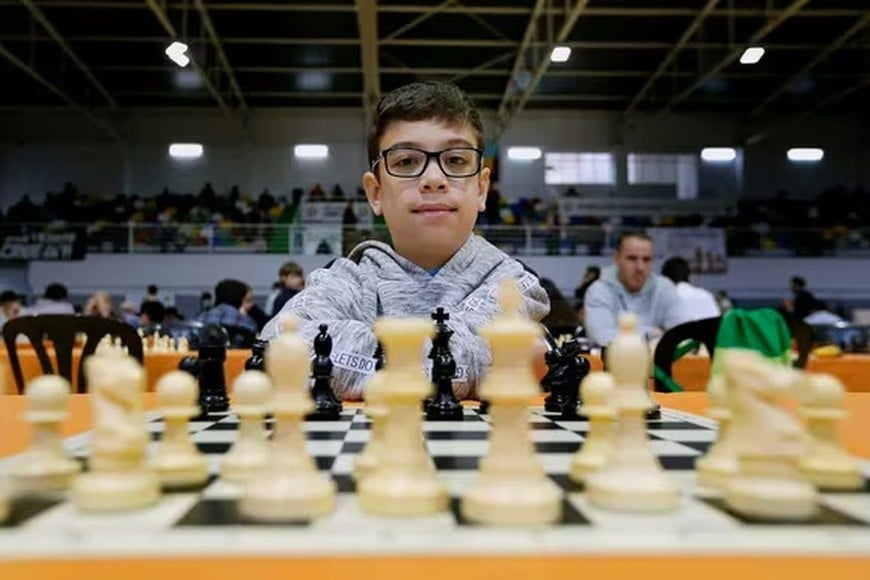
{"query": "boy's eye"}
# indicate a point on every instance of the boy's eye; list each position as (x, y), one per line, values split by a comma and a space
(457, 160)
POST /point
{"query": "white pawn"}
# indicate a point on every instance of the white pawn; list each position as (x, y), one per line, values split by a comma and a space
(45, 466)
(250, 452)
(719, 465)
(289, 487)
(183, 345)
(119, 478)
(598, 391)
(177, 461)
(632, 480)
(513, 488)
(368, 460)
(826, 464)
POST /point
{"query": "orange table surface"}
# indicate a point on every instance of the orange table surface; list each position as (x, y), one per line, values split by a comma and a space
(14, 436)
(156, 365)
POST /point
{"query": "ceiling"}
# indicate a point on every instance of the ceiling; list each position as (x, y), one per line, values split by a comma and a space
(628, 55)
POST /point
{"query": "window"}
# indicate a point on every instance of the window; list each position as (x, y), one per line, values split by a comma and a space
(665, 169)
(579, 169)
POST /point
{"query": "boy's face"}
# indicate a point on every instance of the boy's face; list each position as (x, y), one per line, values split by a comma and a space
(293, 281)
(430, 216)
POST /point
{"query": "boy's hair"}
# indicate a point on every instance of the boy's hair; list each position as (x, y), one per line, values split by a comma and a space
(9, 296)
(55, 291)
(289, 268)
(230, 292)
(640, 234)
(419, 102)
(676, 269)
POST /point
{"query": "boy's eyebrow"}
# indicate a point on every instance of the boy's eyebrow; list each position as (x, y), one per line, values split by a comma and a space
(455, 142)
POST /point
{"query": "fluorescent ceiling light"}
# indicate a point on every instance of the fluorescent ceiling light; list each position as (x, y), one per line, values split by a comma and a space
(805, 154)
(311, 151)
(560, 54)
(185, 150)
(524, 153)
(175, 52)
(751, 55)
(718, 154)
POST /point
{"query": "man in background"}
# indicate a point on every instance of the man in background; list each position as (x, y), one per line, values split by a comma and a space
(697, 302)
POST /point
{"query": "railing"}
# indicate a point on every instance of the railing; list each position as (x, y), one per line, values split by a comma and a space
(525, 240)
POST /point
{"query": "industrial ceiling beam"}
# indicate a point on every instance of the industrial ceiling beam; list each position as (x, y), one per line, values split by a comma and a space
(40, 17)
(681, 43)
(29, 71)
(512, 103)
(837, 44)
(367, 21)
(768, 27)
(222, 57)
(840, 95)
(520, 60)
(418, 20)
(161, 16)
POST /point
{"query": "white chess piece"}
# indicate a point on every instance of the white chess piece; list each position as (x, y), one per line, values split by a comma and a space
(4, 501)
(250, 453)
(598, 393)
(632, 479)
(404, 481)
(512, 488)
(183, 345)
(366, 461)
(119, 478)
(826, 464)
(176, 460)
(289, 487)
(45, 466)
(768, 483)
(719, 465)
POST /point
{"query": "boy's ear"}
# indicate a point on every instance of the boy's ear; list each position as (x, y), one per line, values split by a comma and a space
(373, 191)
(483, 188)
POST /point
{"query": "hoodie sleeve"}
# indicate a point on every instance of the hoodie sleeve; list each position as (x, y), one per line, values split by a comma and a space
(599, 319)
(471, 352)
(335, 296)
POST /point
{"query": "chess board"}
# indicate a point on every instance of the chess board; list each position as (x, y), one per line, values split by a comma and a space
(206, 520)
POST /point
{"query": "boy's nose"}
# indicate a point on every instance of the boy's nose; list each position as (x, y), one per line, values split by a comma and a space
(433, 178)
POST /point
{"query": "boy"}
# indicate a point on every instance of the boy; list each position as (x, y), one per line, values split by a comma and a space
(428, 182)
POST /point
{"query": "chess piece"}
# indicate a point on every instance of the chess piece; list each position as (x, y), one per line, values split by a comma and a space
(326, 406)
(183, 345)
(379, 356)
(768, 484)
(210, 372)
(826, 464)
(404, 481)
(512, 488)
(250, 453)
(599, 393)
(45, 466)
(256, 362)
(177, 461)
(4, 501)
(366, 461)
(118, 476)
(289, 487)
(565, 369)
(719, 465)
(632, 479)
(443, 406)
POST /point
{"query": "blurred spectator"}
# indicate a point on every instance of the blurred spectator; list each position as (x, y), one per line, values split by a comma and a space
(293, 281)
(206, 302)
(151, 294)
(802, 302)
(697, 302)
(233, 300)
(591, 275)
(269, 306)
(100, 304)
(723, 301)
(562, 314)
(54, 301)
(151, 313)
(10, 306)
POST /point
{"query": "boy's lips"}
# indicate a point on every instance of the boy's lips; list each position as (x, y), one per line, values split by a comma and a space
(433, 208)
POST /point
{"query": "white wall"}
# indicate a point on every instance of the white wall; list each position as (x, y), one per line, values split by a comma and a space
(39, 151)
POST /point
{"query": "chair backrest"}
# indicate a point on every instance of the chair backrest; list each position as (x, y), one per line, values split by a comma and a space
(62, 330)
(703, 331)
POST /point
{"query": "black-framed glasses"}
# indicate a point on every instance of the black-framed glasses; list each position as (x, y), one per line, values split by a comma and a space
(412, 162)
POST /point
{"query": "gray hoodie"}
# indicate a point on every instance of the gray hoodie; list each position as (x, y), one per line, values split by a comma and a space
(351, 293)
(657, 304)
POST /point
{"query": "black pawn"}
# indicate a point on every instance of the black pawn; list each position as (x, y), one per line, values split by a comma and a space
(565, 370)
(212, 382)
(444, 406)
(327, 406)
(256, 362)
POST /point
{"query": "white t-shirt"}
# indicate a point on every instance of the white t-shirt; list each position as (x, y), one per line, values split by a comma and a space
(697, 302)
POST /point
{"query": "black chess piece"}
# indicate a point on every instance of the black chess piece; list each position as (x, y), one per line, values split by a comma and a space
(444, 406)
(257, 360)
(565, 370)
(379, 357)
(212, 382)
(327, 406)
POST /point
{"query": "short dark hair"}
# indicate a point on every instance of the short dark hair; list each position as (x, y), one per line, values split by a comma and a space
(421, 101)
(640, 234)
(288, 268)
(799, 282)
(676, 269)
(152, 288)
(9, 296)
(55, 291)
(154, 310)
(231, 292)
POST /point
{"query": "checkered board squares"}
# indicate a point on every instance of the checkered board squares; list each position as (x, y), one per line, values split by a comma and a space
(207, 518)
